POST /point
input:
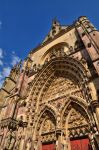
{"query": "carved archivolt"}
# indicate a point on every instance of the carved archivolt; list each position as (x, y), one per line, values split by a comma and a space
(79, 106)
(64, 68)
(71, 65)
(76, 119)
(59, 87)
(78, 125)
(55, 85)
(73, 118)
(46, 121)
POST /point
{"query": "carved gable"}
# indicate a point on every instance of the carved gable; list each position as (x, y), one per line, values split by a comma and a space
(47, 126)
(76, 119)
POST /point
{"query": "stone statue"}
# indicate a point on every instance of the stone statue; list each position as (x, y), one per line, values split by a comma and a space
(59, 145)
(58, 121)
(10, 140)
(17, 144)
(34, 67)
(29, 145)
(91, 137)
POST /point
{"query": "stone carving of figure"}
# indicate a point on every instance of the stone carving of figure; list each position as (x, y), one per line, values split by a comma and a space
(19, 138)
(59, 145)
(71, 49)
(10, 140)
(56, 145)
(58, 121)
(46, 61)
(17, 144)
(47, 126)
(91, 136)
(29, 145)
(34, 67)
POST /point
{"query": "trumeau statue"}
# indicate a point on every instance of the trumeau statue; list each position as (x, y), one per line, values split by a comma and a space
(30, 144)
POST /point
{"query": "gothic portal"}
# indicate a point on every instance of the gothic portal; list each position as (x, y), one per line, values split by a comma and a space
(50, 101)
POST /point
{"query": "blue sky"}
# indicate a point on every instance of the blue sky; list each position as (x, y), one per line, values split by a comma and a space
(25, 23)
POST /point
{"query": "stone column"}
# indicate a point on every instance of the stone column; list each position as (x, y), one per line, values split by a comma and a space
(92, 141)
(60, 145)
(95, 105)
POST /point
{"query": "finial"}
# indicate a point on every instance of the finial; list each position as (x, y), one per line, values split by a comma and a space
(55, 22)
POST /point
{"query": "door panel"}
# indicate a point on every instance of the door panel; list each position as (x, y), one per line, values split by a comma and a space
(48, 147)
(81, 144)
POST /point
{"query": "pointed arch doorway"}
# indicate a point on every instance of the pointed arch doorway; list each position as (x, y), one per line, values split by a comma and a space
(80, 144)
(45, 132)
(64, 78)
(77, 128)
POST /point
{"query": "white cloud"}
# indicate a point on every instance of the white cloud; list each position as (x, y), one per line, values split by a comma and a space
(15, 59)
(1, 56)
(13, 52)
(0, 24)
(6, 71)
(1, 80)
(0, 76)
(1, 53)
(1, 63)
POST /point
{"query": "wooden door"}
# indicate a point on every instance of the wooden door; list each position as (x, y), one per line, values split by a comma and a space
(48, 147)
(80, 144)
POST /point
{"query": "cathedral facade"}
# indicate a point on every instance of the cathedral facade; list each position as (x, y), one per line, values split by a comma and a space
(50, 101)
